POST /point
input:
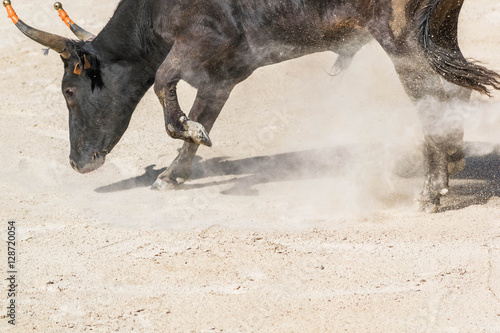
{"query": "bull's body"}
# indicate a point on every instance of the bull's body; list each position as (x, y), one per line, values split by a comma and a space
(215, 44)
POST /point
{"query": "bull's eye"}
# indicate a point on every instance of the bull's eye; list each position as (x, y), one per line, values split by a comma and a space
(69, 93)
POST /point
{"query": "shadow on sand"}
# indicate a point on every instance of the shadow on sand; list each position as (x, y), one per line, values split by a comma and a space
(478, 182)
(256, 170)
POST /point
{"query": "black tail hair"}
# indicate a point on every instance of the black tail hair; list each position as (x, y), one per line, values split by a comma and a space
(440, 45)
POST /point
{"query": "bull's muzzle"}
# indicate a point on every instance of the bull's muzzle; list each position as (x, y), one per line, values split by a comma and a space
(83, 166)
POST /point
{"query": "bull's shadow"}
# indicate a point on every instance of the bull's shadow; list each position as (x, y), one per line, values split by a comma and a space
(149, 176)
(308, 164)
(255, 170)
(478, 182)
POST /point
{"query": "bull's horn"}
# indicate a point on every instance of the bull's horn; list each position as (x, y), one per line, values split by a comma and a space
(54, 42)
(77, 30)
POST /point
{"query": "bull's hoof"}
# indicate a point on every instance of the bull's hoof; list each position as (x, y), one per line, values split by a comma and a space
(190, 131)
(175, 175)
(430, 203)
(428, 207)
(159, 185)
(162, 185)
(197, 133)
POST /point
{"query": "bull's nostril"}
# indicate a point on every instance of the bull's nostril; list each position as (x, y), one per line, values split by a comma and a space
(73, 164)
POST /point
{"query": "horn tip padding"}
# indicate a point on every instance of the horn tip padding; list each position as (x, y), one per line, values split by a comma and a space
(58, 6)
(6, 3)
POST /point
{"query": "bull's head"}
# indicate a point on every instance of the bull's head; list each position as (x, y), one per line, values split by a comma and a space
(100, 96)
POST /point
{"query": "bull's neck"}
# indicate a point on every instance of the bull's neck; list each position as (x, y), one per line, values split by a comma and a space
(128, 38)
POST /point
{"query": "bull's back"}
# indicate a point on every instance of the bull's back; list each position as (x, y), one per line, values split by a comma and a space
(280, 30)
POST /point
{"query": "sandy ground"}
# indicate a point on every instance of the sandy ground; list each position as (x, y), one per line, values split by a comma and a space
(298, 218)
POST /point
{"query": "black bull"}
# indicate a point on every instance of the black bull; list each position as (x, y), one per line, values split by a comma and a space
(215, 44)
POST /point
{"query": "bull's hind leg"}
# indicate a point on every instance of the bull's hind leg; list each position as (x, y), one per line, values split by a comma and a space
(437, 102)
(444, 152)
(206, 108)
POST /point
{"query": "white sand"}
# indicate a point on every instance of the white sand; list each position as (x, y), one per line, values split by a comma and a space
(294, 220)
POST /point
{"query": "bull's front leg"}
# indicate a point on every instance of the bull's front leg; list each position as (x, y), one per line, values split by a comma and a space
(177, 124)
(179, 170)
(206, 108)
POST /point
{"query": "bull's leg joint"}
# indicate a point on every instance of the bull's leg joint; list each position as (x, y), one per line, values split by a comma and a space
(189, 131)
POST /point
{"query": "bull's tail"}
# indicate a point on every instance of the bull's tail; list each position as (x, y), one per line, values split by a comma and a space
(437, 35)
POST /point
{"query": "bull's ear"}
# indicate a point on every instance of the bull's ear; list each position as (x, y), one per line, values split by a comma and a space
(78, 69)
(91, 65)
(86, 63)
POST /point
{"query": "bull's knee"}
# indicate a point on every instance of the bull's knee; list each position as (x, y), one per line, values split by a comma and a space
(177, 124)
(189, 131)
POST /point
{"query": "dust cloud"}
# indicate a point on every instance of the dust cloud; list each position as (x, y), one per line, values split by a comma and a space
(294, 148)
(347, 137)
